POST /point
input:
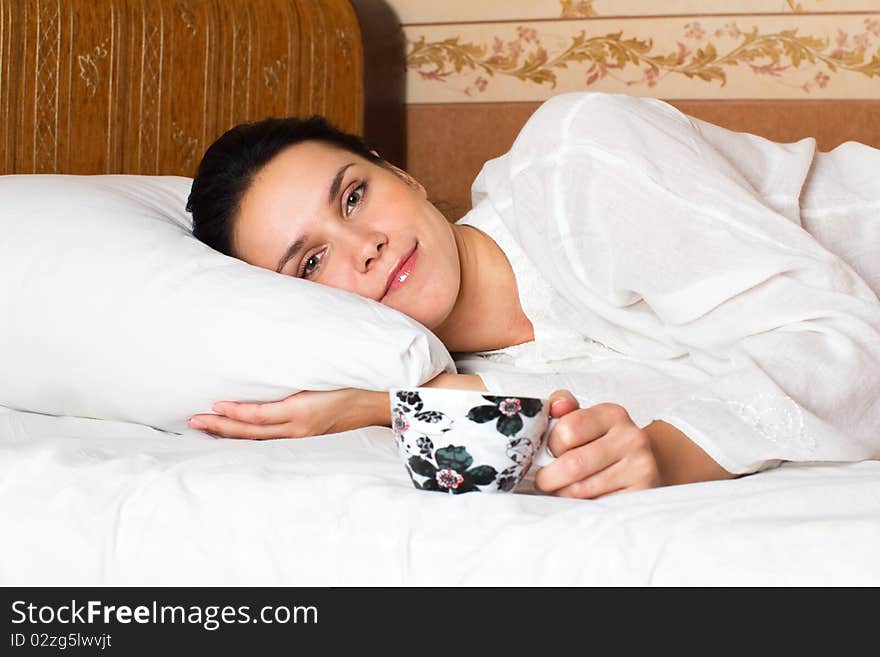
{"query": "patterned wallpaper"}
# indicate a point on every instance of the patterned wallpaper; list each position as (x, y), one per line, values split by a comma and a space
(461, 51)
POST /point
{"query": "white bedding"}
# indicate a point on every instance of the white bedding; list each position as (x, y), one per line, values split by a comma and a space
(682, 248)
(91, 502)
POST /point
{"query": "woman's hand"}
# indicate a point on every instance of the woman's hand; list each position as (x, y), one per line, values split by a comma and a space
(312, 412)
(306, 413)
(599, 451)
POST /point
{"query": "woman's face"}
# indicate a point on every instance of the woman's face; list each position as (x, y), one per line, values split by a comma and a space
(321, 213)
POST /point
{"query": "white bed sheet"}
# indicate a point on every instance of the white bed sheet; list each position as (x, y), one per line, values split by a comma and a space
(90, 502)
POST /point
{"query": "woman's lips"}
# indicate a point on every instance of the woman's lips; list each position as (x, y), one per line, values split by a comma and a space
(403, 273)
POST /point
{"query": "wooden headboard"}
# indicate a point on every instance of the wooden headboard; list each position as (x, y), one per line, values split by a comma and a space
(144, 86)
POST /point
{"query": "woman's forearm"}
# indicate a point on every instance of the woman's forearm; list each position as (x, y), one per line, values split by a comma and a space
(679, 459)
(457, 381)
(378, 408)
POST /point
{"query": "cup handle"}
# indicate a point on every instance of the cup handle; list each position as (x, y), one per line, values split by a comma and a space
(544, 455)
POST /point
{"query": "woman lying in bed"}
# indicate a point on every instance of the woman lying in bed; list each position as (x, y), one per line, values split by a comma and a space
(613, 223)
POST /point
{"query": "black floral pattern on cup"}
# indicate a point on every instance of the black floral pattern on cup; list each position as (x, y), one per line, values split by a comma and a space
(412, 400)
(521, 452)
(449, 469)
(453, 472)
(408, 414)
(399, 423)
(426, 447)
(507, 478)
(507, 411)
(432, 417)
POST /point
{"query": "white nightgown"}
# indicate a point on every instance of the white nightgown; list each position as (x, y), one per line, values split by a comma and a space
(715, 280)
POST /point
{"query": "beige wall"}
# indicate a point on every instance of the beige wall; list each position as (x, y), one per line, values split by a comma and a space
(478, 65)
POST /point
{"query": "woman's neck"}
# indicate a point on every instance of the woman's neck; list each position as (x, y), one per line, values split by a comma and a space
(487, 314)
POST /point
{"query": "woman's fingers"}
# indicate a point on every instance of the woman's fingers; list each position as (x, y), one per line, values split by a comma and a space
(225, 427)
(599, 450)
(562, 402)
(613, 479)
(276, 412)
(575, 465)
(585, 425)
(574, 442)
(606, 474)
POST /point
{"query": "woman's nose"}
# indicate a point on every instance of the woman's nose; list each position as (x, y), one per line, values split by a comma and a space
(371, 249)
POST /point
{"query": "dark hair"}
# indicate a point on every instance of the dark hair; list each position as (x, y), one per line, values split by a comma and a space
(229, 165)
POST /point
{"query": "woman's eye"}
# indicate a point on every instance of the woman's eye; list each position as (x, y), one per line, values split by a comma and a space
(308, 271)
(354, 197)
(351, 201)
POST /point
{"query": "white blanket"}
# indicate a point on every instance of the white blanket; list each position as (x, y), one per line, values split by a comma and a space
(90, 502)
(701, 259)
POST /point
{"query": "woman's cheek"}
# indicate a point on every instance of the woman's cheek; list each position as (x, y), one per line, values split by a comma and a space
(436, 303)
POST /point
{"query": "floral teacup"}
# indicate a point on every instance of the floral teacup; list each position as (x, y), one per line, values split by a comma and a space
(461, 441)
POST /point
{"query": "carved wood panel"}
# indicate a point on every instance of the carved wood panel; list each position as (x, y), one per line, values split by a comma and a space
(143, 86)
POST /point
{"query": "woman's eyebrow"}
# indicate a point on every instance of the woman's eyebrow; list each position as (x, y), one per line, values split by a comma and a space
(292, 250)
(295, 247)
(337, 183)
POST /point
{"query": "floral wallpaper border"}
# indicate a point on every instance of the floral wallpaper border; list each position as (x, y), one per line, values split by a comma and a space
(795, 56)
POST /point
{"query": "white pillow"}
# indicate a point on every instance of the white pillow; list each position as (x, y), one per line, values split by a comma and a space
(110, 308)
